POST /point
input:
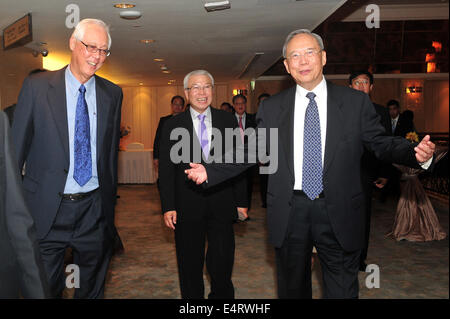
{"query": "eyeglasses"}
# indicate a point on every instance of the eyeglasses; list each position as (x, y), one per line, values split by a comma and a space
(198, 88)
(94, 49)
(361, 82)
(307, 54)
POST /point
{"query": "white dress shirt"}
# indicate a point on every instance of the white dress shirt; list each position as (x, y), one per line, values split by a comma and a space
(243, 119)
(301, 102)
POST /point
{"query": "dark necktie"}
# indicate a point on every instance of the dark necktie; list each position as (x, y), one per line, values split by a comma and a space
(312, 151)
(82, 141)
(203, 135)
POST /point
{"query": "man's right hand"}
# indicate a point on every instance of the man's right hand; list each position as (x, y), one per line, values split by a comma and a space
(170, 218)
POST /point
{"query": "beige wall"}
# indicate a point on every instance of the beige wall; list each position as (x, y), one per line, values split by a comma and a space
(15, 64)
(431, 107)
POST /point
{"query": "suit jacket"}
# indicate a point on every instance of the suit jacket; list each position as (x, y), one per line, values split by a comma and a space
(250, 121)
(156, 142)
(403, 126)
(180, 194)
(370, 165)
(352, 123)
(40, 133)
(9, 111)
(21, 268)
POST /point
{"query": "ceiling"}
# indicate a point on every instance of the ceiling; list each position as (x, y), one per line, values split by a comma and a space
(186, 36)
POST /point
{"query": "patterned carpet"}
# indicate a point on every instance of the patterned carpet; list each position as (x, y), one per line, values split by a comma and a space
(147, 268)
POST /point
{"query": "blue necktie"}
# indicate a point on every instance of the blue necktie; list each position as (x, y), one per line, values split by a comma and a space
(203, 135)
(82, 141)
(312, 151)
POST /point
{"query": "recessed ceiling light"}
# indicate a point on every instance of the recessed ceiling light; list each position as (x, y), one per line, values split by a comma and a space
(163, 67)
(130, 14)
(166, 71)
(140, 83)
(147, 41)
(124, 5)
(158, 60)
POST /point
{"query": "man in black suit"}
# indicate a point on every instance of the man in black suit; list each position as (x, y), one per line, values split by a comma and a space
(315, 196)
(245, 121)
(66, 130)
(401, 125)
(21, 269)
(373, 171)
(263, 178)
(194, 213)
(177, 106)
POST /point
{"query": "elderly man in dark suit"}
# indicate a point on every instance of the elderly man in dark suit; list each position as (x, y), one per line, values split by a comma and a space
(21, 269)
(194, 213)
(66, 130)
(315, 197)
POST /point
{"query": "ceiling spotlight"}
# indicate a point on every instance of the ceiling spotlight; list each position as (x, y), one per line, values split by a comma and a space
(158, 60)
(163, 67)
(130, 14)
(166, 71)
(124, 5)
(147, 41)
(217, 5)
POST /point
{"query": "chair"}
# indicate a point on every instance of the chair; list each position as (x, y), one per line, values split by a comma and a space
(135, 146)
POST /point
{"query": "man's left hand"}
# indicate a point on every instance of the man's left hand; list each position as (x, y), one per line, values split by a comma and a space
(425, 149)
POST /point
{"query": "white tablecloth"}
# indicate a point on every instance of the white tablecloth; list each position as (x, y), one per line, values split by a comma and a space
(136, 167)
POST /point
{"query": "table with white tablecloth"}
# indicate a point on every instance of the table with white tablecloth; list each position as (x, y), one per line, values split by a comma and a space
(136, 167)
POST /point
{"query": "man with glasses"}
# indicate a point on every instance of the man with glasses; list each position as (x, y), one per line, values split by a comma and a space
(196, 214)
(315, 197)
(373, 171)
(66, 130)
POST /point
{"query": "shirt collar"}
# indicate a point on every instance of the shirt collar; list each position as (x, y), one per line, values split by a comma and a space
(73, 84)
(194, 113)
(319, 90)
(243, 115)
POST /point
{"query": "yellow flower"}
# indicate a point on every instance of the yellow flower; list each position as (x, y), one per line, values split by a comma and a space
(412, 136)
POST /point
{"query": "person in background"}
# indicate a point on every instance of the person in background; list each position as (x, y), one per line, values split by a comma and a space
(245, 121)
(22, 273)
(373, 171)
(177, 106)
(225, 106)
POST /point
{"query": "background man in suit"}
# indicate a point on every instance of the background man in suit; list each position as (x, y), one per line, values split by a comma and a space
(245, 121)
(315, 196)
(193, 212)
(177, 106)
(21, 269)
(401, 125)
(66, 129)
(372, 170)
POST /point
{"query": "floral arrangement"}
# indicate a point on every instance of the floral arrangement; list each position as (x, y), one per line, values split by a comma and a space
(412, 136)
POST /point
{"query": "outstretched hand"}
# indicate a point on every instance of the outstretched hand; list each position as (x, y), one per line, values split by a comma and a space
(425, 149)
(197, 173)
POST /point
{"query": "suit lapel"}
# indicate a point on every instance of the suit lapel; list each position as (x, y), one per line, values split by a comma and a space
(57, 102)
(103, 107)
(286, 127)
(334, 121)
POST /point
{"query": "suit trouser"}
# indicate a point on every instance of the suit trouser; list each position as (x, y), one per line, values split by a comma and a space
(367, 185)
(81, 226)
(190, 237)
(309, 225)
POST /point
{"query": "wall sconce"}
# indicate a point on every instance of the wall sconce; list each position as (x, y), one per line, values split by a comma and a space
(236, 92)
(437, 46)
(413, 89)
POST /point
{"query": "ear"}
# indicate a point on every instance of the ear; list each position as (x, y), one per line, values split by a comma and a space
(370, 88)
(72, 43)
(286, 65)
(186, 94)
(324, 58)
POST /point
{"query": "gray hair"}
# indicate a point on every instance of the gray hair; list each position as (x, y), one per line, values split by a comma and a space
(302, 31)
(196, 72)
(81, 28)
